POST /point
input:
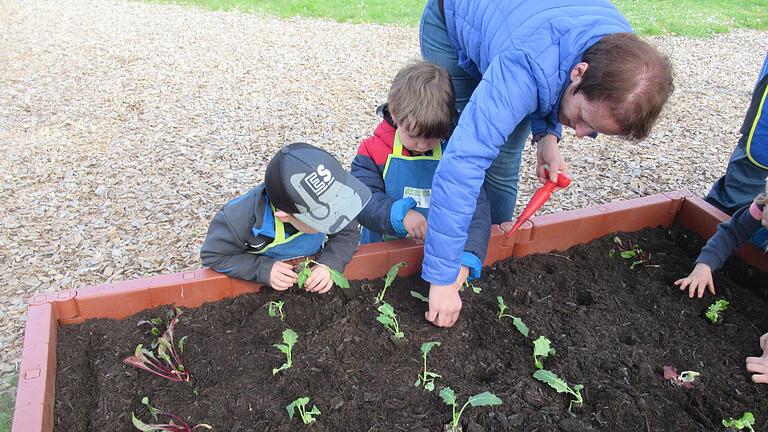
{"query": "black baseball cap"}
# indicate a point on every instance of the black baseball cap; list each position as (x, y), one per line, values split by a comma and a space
(311, 184)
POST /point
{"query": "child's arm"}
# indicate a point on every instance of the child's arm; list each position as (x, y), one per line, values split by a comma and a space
(478, 234)
(729, 236)
(340, 247)
(224, 251)
(382, 214)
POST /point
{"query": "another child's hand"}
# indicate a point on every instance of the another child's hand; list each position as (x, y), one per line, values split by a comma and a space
(759, 365)
(282, 276)
(764, 220)
(416, 225)
(319, 281)
(700, 278)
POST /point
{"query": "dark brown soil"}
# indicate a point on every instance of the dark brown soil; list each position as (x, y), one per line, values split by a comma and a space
(613, 329)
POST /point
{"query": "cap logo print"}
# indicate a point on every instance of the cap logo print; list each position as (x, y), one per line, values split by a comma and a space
(320, 180)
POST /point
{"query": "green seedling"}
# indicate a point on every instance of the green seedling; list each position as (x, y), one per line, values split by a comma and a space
(275, 309)
(427, 378)
(300, 404)
(634, 254)
(561, 386)
(688, 376)
(541, 349)
(289, 340)
(745, 422)
(304, 269)
(714, 311)
(154, 324)
(478, 400)
(418, 296)
(475, 289)
(517, 322)
(391, 275)
(683, 379)
(175, 423)
(388, 318)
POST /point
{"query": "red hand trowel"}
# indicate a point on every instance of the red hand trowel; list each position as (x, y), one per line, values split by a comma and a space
(538, 199)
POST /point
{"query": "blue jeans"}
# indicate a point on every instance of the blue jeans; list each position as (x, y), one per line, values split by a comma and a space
(502, 176)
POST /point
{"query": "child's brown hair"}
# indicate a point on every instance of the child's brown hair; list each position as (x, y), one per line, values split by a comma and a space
(421, 100)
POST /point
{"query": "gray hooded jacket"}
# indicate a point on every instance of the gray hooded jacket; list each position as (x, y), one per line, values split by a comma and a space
(230, 238)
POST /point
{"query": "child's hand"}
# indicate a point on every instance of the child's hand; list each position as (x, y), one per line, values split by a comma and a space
(445, 302)
(282, 276)
(764, 220)
(759, 365)
(319, 280)
(416, 225)
(700, 278)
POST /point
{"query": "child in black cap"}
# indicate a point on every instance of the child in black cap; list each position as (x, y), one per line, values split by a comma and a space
(306, 205)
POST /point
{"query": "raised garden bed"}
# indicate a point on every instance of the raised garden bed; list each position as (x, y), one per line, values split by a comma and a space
(613, 328)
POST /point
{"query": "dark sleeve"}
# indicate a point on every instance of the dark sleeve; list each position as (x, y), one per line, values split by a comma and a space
(376, 214)
(729, 237)
(479, 228)
(224, 251)
(340, 247)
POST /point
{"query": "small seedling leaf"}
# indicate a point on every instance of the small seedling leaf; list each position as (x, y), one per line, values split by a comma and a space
(502, 306)
(448, 396)
(715, 309)
(746, 421)
(386, 320)
(426, 347)
(553, 380)
(182, 341)
(419, 296)
(392, 273)
(484, 399)
(302, 277)
(688, 376)
(290, 337)
(138, 424)
(541, 350)
(338, 278)
(520, 326)
(386, 309)
(628, 254)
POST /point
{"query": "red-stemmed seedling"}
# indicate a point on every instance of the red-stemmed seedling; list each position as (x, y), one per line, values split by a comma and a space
(175, 423)
(167, 362)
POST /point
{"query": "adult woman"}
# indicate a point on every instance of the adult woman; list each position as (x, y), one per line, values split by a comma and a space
(520, 66)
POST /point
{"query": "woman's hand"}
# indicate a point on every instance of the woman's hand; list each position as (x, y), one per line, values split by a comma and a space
(549, 161)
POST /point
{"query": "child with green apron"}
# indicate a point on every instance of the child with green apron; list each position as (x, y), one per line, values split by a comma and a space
(399, 160)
